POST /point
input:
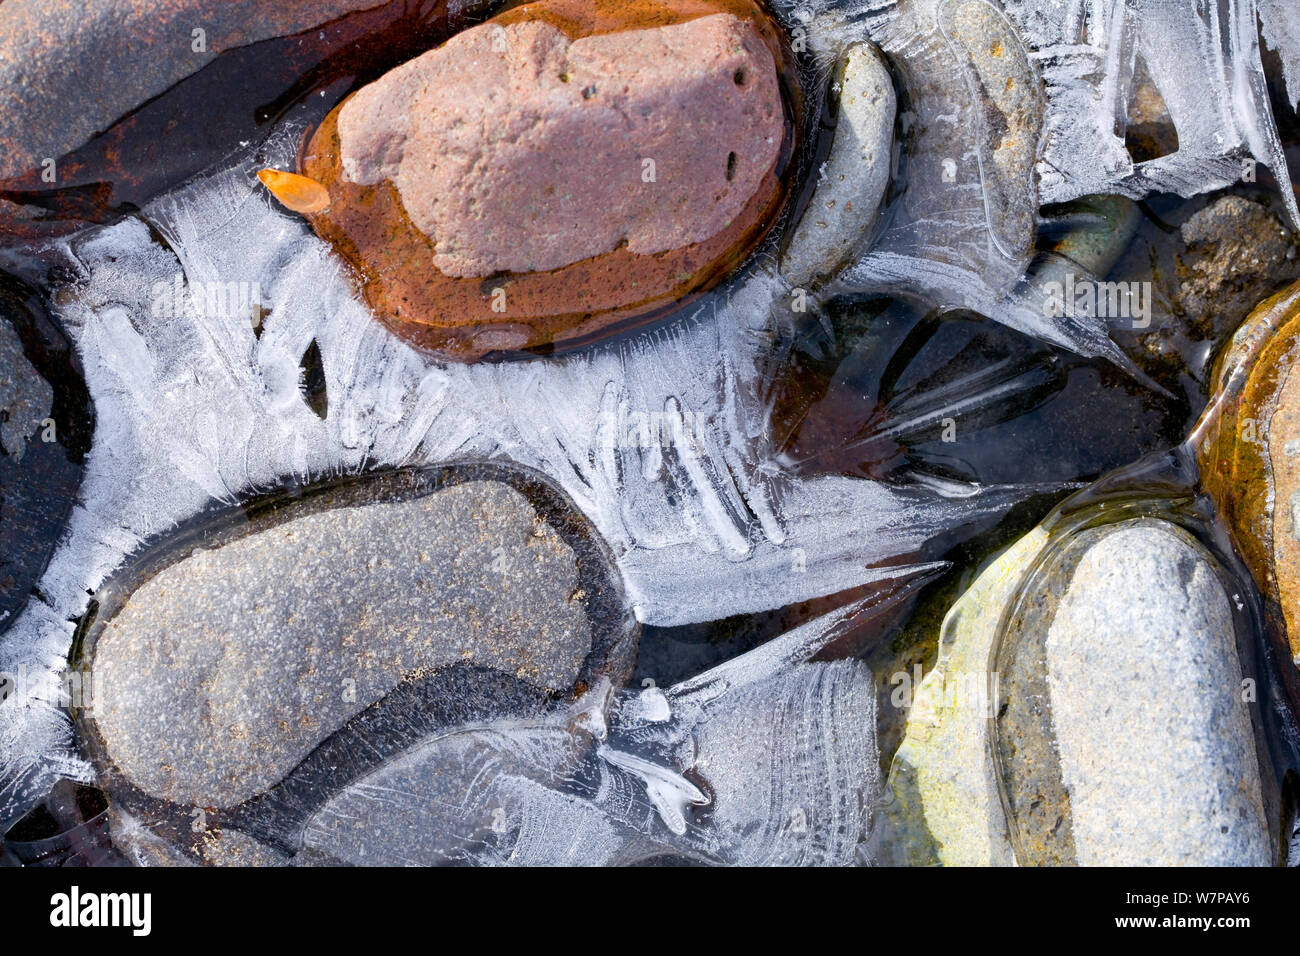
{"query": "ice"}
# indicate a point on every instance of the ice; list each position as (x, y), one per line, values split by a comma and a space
(780, 754)
(1282, 34)
(661, 438)
(1204, 59)
(194, 408)
(957, 234)
(959, 231)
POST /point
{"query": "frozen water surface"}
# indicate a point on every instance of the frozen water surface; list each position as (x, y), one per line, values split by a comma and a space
(662, 438)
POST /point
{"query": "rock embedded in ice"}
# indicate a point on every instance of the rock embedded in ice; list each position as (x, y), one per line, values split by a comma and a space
(851, 184)
(217, 675)
(960, 231)
(1150, 132)
(1155, 743)
(557, 170)
(1107, 684)
(25, 397)
(1012, 116)
(45, 424)
(25, 400)
(942, 803)
(492, 794)
(1203, 61)
(1237, 250)
(1246, 445)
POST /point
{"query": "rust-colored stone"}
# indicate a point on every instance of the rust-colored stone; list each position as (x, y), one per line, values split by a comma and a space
(477, 312)
(1241, 444)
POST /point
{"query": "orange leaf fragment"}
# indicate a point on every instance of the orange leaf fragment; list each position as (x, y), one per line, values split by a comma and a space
(295, 192)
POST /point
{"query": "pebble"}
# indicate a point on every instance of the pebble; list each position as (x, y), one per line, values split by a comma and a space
(1155, 743)
(1115, 708)
(223, 670)
(852, 182)
(557, 171)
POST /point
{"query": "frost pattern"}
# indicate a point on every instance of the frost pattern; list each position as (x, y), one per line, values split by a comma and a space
(1204, 59)
(959, 232)
(194, 408)
(777, 756)
(951, 237)
(1282, 34)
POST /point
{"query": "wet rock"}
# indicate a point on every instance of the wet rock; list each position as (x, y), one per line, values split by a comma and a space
(45, 427)
(205, 104)
(1012, 118)
(25, 397)
(941, 804)
(599, 163)
(1246, 447)
(553, 171)
(851, 184)
(1207, 262)
(1155, 743)
(69, 70)
(1232, 245)
(1101, 227)
(229, 664)
(1102, 673)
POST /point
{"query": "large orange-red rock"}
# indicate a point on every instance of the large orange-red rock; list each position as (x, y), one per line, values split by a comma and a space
(560, 170)
(539, 154)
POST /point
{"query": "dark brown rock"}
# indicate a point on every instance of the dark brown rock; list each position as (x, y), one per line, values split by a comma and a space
(89, 62)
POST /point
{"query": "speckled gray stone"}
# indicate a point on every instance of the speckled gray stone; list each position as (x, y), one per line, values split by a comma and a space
(1121, 730)
(220, 673)
(852, 181)
(1155, 742)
